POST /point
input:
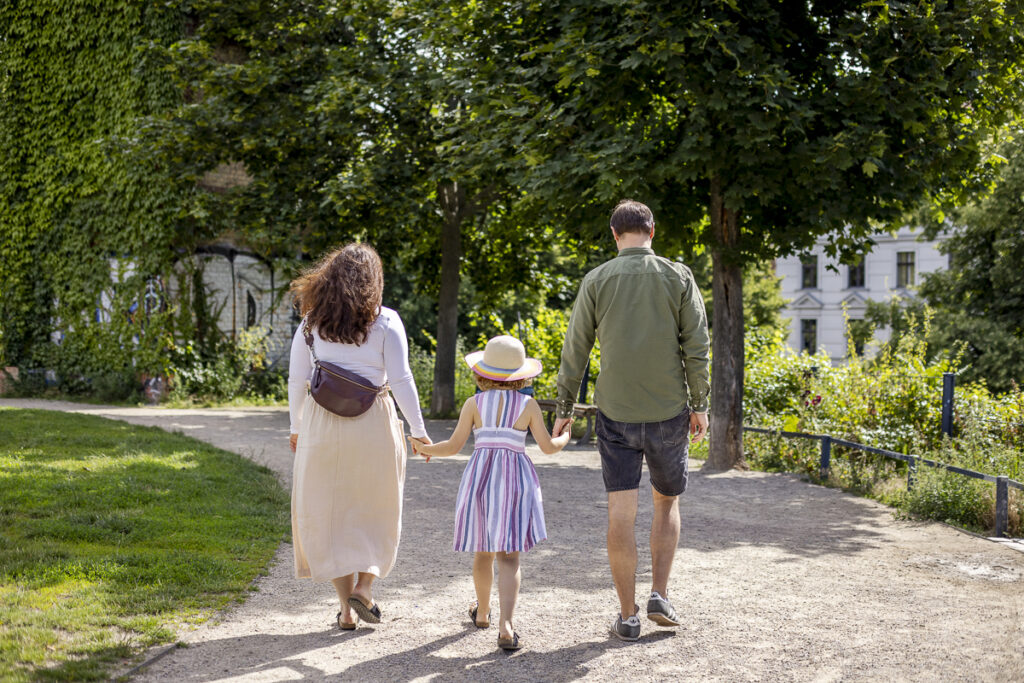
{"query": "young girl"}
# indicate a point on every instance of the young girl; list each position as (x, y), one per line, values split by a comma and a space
(498, 512)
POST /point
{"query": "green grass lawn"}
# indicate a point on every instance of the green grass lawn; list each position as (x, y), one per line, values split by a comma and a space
(111, 535)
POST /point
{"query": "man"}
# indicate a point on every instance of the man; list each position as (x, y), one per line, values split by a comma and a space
(652, 390)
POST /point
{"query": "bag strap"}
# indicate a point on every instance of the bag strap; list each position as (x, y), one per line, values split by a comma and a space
(382, 389)
(308, 334)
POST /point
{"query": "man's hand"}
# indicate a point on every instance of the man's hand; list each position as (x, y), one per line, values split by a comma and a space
(561, 425)
(698, 426)
(293, 440)
(562, 440)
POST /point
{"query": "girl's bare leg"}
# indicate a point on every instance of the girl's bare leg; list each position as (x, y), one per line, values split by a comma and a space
(364, 588)
(483, 577)
(509, 579)
(343, 585)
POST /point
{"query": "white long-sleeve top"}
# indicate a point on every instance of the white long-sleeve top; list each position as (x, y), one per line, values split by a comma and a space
(384, 357)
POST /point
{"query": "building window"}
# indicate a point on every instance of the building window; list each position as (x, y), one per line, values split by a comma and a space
(809, 335)
(904, 268)
(855, 275)
(809, 272)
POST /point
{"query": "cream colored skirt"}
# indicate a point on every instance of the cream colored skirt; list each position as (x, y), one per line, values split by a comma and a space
(349, 475)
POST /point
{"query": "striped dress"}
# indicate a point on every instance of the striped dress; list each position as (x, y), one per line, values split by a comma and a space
(499, 506)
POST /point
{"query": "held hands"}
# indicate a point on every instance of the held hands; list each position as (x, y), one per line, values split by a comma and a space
(417, 444)
(561, 431)
(562, 425)
(698, 426)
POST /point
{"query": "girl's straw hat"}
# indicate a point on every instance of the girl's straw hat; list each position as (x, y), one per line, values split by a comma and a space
(503, 360)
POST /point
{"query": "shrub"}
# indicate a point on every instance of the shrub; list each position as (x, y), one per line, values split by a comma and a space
(421, 361)
(116, 386)
(193, 377)
(543, 336)
(952, 498)
(231, 371)
(892, 401)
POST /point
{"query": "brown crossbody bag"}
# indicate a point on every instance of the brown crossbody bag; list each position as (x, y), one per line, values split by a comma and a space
(338, 390)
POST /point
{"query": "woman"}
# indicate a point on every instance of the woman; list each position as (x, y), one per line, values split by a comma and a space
(349, 471)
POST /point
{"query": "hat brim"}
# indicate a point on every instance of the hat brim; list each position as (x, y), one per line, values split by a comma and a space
(531, 368)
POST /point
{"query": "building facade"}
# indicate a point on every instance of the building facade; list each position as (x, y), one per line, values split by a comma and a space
(821, 292)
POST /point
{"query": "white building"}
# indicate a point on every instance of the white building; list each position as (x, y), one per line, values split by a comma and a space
(818, 295)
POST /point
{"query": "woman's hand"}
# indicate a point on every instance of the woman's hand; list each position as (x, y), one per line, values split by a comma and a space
(293, 440)
(416, 442)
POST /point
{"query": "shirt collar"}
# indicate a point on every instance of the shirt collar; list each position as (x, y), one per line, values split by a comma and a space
(636, 251)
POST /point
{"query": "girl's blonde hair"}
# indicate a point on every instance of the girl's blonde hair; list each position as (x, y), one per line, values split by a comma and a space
(488, 384)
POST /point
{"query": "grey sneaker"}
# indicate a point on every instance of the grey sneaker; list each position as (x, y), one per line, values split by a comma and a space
(626, 630)
(660, 611)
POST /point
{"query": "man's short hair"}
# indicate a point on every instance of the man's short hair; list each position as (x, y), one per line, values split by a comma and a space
(632, 216)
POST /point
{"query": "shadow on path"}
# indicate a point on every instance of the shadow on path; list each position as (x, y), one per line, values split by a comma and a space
(720, 512)
(287, 657)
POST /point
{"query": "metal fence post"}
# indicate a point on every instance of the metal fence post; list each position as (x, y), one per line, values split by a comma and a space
(1002, 505)
(826, 456)
(911, 474)
(948, 384)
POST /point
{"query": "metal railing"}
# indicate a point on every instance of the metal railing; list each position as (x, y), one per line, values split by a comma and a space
(1003, 483)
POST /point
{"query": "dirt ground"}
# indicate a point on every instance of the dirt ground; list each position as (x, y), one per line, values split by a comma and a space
(776, 579)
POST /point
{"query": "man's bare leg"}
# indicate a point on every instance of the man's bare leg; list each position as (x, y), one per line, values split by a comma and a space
(664, 540)
(622, 547)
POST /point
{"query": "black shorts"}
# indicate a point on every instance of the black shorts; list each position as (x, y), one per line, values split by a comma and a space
(625, 445)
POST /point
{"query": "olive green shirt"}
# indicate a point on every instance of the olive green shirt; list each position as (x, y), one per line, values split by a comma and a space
(649, 318)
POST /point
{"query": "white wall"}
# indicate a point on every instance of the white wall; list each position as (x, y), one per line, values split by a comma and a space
(231, 282)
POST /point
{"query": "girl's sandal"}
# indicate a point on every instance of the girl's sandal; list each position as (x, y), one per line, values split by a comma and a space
(346, 626)
(509, 644)
(472, 615)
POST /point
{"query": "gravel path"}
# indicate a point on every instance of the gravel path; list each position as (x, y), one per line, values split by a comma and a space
(776, 579)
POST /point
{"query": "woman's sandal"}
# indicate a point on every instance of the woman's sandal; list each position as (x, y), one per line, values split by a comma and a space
(509, 644)
(472, 615)
(371, 615)
(344, 625)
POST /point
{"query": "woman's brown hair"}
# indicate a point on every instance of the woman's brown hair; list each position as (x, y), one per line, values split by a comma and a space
(341, 295)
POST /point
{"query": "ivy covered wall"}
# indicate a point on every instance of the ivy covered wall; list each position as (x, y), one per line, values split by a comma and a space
(86, 229)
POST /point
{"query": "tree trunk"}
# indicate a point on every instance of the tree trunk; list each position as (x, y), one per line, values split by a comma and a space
(726, 438)
(451, 197)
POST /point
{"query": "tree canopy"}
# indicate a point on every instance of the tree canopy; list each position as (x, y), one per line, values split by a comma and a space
(481, 146)
(979, 300)
(780, 121)
(348, 126)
